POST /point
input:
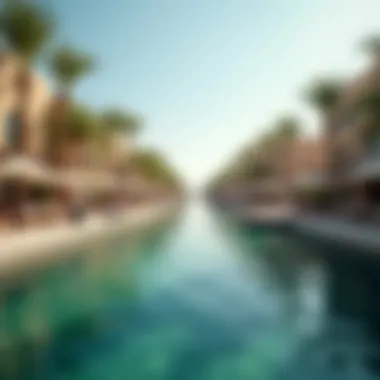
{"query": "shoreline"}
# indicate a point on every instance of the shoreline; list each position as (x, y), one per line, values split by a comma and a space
(34, 248)
(339, 232)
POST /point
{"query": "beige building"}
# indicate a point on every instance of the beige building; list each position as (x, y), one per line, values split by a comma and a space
(122, 147)
(352, 154)
(24, 100)
(305, 161)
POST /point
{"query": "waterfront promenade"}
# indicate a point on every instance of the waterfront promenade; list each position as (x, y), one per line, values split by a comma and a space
(33, 247)
(344, 232)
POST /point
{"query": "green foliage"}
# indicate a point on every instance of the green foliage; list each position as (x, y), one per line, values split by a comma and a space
(324, 94)
(26, 27)
(287, 129)
(81, 123)
(259, 170)
(102, 135)
(258, 160)
(370, 102)
(69, 65)
(370, 106)
(154, 166)
(120, 121)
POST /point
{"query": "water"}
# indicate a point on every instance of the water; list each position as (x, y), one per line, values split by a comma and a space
(196, 298)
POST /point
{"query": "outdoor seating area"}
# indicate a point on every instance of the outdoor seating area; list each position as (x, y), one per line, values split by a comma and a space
(60, 159)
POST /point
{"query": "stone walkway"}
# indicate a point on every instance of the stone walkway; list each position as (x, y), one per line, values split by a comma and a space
(32, 246)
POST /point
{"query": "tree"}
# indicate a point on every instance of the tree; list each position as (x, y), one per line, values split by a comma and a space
(26, 28)
(153, 166)
(119, 121)
(259, 170)
(82, 124)
(324, 94)
(369, 106)
(81, 128)
(287, 129)
(68, 65)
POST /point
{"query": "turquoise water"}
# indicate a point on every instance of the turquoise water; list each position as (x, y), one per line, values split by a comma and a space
(196, 298)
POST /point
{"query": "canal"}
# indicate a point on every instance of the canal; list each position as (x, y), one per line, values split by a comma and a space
(196, 298)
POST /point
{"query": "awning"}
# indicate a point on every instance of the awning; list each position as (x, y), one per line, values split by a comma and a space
(26, 169)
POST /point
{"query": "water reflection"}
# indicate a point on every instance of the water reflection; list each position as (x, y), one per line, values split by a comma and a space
(196, 298)
(50, 318)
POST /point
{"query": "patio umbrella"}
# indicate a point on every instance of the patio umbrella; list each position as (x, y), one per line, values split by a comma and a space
(21, 168)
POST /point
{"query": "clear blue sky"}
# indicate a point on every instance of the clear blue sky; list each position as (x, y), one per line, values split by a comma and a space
(209, 74)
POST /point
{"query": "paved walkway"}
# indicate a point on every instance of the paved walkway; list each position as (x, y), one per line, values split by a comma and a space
(29, 247)
(350, 233)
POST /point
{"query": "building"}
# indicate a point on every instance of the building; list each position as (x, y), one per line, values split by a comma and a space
(24, 100)
(354, 155)
(122, 147)
(305, 158)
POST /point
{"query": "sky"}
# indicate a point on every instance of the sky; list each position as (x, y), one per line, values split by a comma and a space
(210, 75)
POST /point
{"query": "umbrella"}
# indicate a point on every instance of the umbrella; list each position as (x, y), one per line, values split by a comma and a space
(25, 169)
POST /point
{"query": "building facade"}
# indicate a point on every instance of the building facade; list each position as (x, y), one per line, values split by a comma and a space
(24, 101)
(354, 155)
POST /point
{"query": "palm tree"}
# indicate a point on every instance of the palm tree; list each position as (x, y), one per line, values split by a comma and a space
(82, 123)
(119, 121)
(369, 104)
(82, 130)
(287, 129)
(119, 127)
(67, 66)
(26, 29)
(153, 166)
(324, 95)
